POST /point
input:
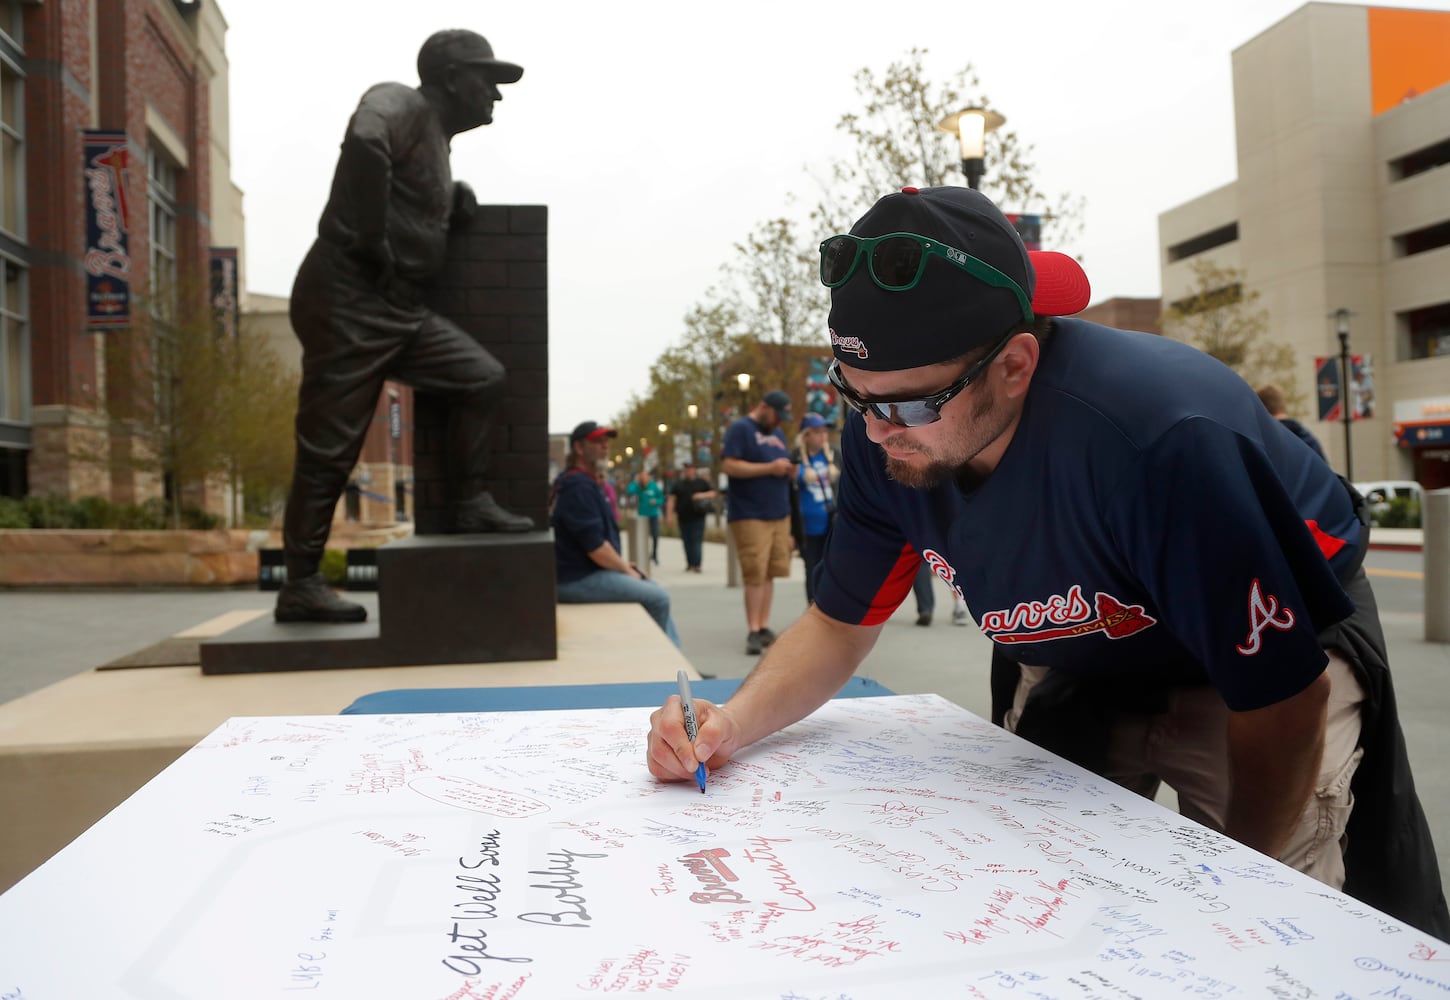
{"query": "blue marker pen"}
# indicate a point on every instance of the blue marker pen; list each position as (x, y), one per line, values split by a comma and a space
(691, 726)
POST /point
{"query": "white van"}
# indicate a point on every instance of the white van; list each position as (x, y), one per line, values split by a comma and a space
(1379, 494)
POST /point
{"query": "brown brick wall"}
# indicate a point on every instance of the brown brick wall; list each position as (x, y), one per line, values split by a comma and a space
(143, 59)
(495, 286)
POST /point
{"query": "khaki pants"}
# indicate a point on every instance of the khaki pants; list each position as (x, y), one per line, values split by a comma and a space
(1186, 746)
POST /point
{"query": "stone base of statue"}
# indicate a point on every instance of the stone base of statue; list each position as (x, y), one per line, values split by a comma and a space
(441, 599)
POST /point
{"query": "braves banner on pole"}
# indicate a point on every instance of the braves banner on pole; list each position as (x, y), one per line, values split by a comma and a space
(1029, 227)
(108, 258)
(821, 395)
(225, 299)
(1327, 388)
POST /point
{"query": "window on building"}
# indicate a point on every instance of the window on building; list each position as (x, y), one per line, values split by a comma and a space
(12, 22)
(1421, 240)
(1429, 331)
(1420, 161)
(1216, 298)
(14, 346)
(12, 149)
(161, 176)
(1203, 242)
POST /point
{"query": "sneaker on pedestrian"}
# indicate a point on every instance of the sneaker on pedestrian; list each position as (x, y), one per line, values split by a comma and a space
(767, 636)
(754, 644)
(960, 616)
(924, 619)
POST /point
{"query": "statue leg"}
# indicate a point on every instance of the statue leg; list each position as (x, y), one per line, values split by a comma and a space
(351, 339)
(444, 359)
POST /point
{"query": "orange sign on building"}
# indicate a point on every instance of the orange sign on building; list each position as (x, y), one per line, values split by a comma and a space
(1409, 54)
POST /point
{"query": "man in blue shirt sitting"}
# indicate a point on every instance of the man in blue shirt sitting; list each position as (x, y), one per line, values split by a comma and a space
(590, 569)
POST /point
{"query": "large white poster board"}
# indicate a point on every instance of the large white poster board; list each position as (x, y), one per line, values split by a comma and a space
(885, 847)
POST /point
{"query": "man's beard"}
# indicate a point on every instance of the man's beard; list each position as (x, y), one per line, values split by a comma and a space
(942, 470)
(920, 478)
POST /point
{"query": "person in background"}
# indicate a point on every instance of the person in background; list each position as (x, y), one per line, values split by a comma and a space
(649, 499)
(690, 501)
(587, 560)
(1273, 399)
(606, 483)
(1173, 585)
(814, 496)
(755, 458)
(925, 598)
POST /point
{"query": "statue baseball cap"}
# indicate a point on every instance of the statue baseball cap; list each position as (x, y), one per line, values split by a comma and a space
(459, 45)
(590, 431)
(779, 402)
(952, 305)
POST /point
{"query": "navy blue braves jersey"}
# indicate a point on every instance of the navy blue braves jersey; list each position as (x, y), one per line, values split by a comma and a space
(582, 521)
(1149, 518)
(763, 498)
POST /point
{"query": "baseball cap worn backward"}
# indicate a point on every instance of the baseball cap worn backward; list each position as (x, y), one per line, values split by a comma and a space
(455, 46)
(591, 431)
(950, 311)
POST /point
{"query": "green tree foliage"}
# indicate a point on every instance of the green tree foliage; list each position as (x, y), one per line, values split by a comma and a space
(195, 406)
(1220, 318)
(771, 302)
(896, 143)
(780, 298)
(257, 445)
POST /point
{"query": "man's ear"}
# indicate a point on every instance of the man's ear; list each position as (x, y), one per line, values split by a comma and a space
(448, 83)
(1019, 361)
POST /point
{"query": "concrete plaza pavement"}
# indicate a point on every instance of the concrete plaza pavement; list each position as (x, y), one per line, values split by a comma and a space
(46, 636)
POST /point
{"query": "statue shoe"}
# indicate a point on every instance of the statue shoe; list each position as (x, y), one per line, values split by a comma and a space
(482, 513)
(310, 599)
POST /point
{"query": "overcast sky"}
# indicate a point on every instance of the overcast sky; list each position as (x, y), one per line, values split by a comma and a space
(660, 133)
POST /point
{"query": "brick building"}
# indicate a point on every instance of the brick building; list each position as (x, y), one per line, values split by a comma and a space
(115, 197)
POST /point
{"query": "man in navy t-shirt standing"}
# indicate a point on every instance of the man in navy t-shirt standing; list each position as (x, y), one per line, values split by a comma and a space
(756, 459)
(1171, 580)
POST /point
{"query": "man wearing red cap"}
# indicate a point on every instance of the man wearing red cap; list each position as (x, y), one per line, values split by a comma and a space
(588, 566)
(1171, 579)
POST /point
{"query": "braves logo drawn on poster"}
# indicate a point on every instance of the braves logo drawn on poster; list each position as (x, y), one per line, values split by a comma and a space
(1262, 614)
(1066, 616)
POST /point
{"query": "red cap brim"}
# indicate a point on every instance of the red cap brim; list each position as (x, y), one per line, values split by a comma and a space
(1062, 286)
(598, 433)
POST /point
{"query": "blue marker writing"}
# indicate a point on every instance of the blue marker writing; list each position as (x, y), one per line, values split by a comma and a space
(692, 728)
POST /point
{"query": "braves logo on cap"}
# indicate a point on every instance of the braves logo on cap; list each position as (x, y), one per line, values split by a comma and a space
(849, 345)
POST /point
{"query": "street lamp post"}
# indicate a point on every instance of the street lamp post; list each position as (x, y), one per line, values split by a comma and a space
(970, 126)
(743, 381)
(664, 454)
(694, 412)
(1346, 396)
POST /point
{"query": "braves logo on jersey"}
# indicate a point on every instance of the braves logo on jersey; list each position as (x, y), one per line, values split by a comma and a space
(1263, 613)
(938, 565)
(1066, 616)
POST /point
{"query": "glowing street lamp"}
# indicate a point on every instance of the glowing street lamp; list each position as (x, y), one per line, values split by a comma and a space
(970, 126)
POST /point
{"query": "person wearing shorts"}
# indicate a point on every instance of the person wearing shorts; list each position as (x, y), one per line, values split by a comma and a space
(757, 462)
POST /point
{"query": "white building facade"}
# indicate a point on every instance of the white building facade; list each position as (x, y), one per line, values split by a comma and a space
(1342, 202)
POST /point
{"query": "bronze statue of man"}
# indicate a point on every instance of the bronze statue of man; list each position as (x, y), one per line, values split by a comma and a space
(357, 306)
